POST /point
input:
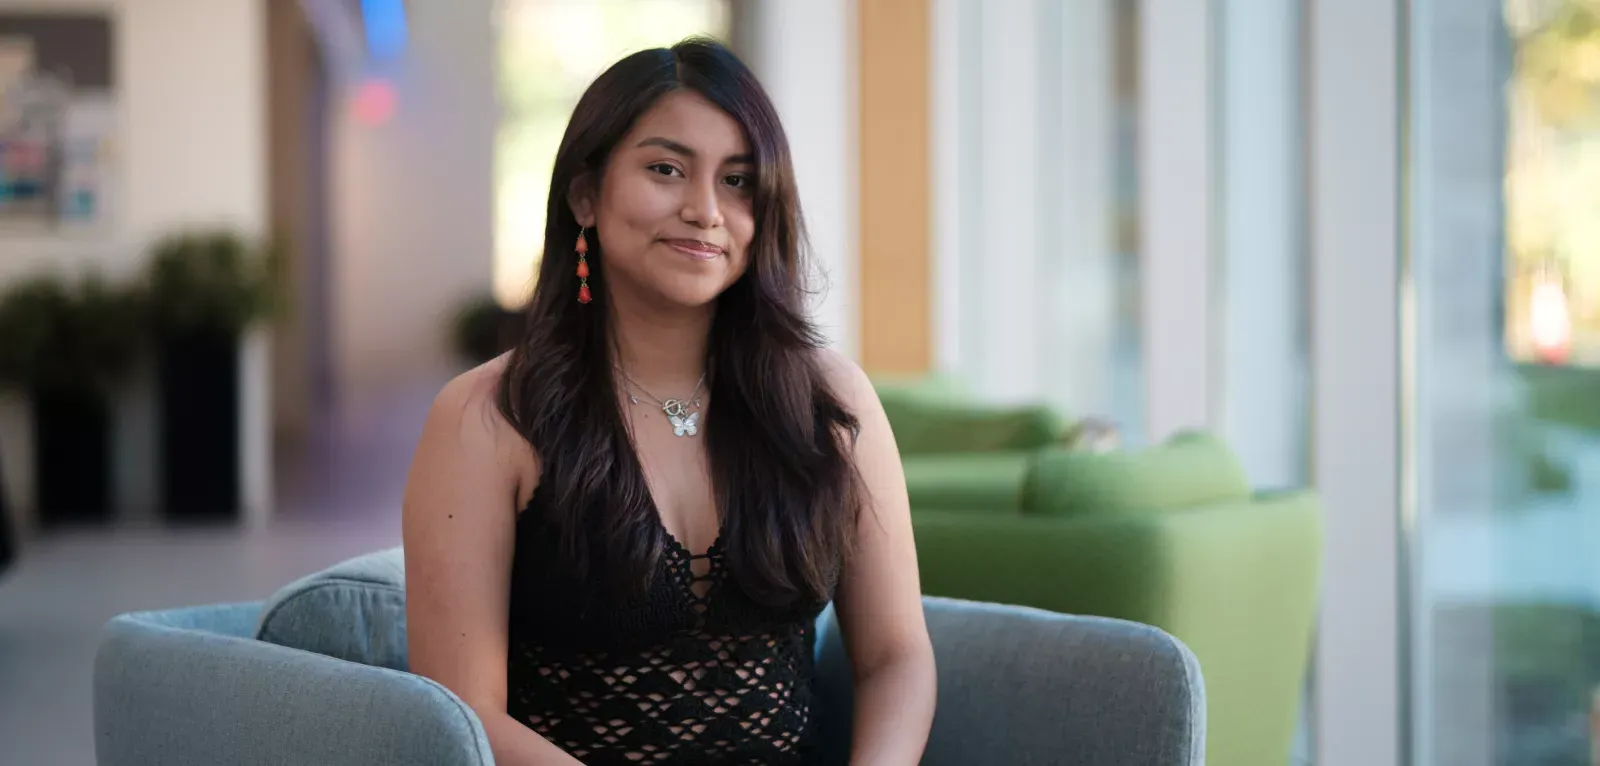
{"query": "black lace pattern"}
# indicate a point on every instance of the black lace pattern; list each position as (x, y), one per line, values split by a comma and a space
(693, 673)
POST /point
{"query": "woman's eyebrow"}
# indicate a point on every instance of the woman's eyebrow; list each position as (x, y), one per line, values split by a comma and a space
(677, 148)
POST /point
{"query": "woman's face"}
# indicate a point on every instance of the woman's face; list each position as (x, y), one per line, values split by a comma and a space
(672, 212)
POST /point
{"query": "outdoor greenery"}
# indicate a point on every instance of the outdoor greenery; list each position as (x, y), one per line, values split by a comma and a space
(1552, 169)
(1556, 61)
(1566, 396)
(1545, 663)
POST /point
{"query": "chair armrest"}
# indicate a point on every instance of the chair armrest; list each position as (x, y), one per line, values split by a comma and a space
(1026, 686)
(167, 692)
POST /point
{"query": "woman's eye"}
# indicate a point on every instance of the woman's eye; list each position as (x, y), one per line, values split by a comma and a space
(664, 169)
(738, 181)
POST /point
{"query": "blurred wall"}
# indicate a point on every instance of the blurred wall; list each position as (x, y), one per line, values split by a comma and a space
(190, 148)
(297, 96)
(190, 141)
(412, 206)
(805, 55)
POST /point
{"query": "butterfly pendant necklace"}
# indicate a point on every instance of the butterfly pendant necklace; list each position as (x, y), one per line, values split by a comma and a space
(683, 421)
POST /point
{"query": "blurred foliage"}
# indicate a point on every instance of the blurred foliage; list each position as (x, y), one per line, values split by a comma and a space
(1558, 63)
(1568, 396)
(56, 335)
(1545, 663)
(84, 334)
(1548, 477)
(482, 329)
(214, 282)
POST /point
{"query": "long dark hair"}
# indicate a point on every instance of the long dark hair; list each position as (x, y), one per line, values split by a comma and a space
(777, 437)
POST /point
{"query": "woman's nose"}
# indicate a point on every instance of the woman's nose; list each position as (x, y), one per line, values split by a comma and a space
(700, 205)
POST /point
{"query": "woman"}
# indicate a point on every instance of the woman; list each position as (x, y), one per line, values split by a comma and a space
(668, 477)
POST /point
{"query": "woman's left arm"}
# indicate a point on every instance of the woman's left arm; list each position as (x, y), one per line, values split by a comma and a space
(879, 601)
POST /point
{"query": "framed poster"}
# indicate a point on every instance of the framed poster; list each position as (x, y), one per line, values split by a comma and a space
(56, 120)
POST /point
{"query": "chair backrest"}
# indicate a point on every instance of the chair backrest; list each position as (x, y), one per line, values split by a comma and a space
(1025, 686)
(354, 610)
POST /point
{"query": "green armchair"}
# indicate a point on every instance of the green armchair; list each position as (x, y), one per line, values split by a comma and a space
(1235, 581)
(1170, 536)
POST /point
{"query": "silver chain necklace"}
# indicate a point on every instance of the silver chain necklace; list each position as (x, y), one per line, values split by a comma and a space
(684, 422)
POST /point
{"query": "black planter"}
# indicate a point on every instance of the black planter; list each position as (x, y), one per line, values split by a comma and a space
(72, 454)
(199, 422)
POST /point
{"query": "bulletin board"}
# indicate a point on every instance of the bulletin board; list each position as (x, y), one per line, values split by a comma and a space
(57, 113)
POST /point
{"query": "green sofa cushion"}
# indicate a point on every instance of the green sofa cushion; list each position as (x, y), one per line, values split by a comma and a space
(978, 482)
(1189, 470)
(924, 425)
(934, 387)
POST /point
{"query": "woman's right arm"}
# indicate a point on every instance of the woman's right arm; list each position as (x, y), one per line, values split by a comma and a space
(458, 525)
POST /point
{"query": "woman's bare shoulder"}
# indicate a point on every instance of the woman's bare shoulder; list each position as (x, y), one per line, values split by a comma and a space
(466, 412)
(477, 386)
(845, 378)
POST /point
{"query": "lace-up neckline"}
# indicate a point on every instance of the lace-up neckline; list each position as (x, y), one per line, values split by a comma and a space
(696, 580)
(691, 672)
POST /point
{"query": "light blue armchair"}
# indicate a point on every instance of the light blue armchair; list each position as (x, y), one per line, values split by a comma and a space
(316, 675)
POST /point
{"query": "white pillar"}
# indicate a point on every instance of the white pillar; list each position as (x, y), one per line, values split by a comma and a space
(1176, 229)
(256, 497)
(985, 171)
(1005, 232)
(963, 250)
(805, 56)
(1024, 146)
(1261, 300)
(1078, 256)
(950, 93)
(1354, 121)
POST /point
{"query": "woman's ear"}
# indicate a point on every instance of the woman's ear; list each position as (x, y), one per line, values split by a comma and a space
(580, 195)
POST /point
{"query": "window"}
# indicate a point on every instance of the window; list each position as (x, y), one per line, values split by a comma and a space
(1504, 247)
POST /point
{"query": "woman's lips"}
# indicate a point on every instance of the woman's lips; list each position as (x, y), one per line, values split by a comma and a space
(695, 248)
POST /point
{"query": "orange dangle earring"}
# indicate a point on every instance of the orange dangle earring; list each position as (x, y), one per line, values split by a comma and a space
(583, 268)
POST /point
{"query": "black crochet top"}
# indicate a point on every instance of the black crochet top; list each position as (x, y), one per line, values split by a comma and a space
(691, 672)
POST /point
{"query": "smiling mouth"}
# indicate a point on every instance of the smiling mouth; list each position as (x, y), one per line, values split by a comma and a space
(695, 247)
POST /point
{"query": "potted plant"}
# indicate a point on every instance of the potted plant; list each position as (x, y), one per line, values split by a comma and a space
(65, 347)
(207, 288)
(482, 329)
